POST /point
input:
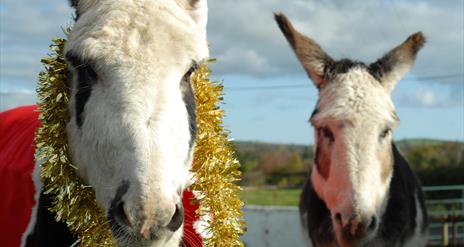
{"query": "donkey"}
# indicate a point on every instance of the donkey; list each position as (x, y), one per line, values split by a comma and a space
(132, 127)
(361, 191)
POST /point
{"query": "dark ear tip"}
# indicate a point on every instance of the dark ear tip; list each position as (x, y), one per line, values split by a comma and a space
(417, 39)
(278, 16)
(281, 19)
(284, 25)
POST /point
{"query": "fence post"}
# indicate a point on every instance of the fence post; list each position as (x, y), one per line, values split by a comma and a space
(462, 202)
(445, 239)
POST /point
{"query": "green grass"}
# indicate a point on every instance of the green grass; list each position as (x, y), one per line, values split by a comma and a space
(271, 197)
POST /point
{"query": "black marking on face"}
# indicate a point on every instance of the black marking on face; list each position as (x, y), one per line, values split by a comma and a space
(68, 80)
(188, 96)
(74, 4)
(86, 78)
(333, 68)
(381, 67)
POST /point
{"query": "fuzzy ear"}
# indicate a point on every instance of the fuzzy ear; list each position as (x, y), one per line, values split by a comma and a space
(397, 62)
(310, 54)
(197, 9)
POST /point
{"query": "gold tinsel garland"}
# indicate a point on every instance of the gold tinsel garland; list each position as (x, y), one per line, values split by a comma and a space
(215, 166)
(74, 202)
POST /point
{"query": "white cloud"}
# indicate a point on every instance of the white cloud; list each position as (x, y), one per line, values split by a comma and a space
(426, 97)
(358, 29)
(430, 96)
(11, 100)
(244, 60)
(245, 39)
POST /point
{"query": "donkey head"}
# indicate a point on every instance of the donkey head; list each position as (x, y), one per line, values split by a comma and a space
(132, 126)
(353, 122)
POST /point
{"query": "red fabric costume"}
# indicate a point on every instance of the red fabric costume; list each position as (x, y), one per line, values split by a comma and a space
(17, 131)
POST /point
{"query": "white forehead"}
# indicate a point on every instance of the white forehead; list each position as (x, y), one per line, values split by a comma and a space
(137, 29)
(355, 96)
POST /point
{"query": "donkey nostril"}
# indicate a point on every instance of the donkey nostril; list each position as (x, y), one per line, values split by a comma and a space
(117, 217)
(372, 224)
(338, 218)
(121, 216)
(177, 219)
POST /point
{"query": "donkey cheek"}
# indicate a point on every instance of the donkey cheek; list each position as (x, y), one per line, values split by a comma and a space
(387, 166)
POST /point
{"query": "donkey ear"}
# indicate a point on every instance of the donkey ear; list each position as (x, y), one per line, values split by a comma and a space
(397, 62)
(197, 9)
(310, 54)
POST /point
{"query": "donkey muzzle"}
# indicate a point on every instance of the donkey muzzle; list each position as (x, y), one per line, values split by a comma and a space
(355, 228)
(146, 223)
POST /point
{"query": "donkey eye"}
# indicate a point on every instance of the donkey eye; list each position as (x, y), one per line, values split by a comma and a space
(328, 134)
(83, 67)
(192, 69)
(385, 132)
(89, 72)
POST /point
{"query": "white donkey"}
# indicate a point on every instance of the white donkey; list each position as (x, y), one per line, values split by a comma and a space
(362, 192)
(132, 126)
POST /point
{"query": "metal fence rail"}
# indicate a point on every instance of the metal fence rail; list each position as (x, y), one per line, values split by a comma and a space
(445, 205)
(272, 226)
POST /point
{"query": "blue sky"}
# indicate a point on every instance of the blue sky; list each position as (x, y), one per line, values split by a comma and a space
(252, 55)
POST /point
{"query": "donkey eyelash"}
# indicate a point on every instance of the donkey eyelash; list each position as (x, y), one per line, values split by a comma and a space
(82, 65)
(385, 132)
(78, 62)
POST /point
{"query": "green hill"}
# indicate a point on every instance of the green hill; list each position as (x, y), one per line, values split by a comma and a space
(435, 161)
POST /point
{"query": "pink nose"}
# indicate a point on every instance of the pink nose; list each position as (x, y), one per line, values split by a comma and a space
(355, 227)
(141, 226)
(147, 230)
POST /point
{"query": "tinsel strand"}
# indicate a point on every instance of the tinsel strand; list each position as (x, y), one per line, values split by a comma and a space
(215, 167)
(73, 202)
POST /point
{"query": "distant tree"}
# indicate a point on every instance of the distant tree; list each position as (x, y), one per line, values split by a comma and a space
(296, 163)
(274, 162)
(436, 162)
(308, 153)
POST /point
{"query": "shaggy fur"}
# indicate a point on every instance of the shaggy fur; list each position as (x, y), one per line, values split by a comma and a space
(358, 178)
